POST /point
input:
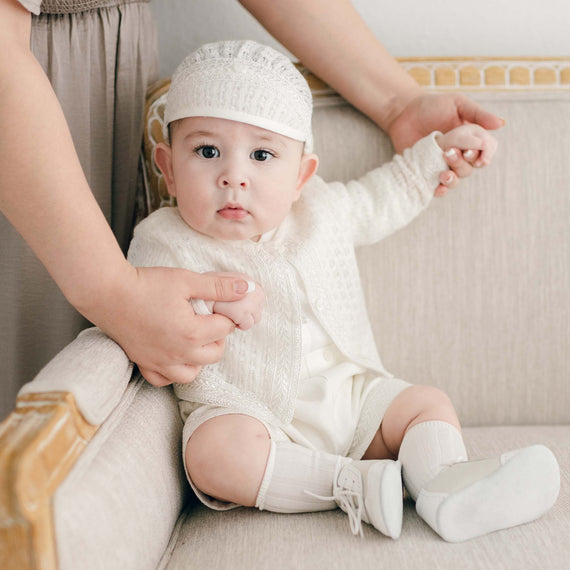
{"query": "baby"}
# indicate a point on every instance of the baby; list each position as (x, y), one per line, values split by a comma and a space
(300, 414)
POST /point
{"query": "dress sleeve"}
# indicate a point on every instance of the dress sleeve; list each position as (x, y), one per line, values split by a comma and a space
(391, 196)
(31, 5)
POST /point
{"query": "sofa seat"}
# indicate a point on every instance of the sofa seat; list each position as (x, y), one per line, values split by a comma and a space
(247, 538)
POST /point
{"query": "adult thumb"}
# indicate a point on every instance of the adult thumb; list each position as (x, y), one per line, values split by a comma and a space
(216, 288)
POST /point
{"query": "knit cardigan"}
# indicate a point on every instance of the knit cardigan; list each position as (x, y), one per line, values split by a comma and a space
(259, 372)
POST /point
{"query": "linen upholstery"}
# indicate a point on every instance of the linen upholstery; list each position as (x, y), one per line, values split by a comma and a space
(246, 538)
(93, 368)
(118, 506)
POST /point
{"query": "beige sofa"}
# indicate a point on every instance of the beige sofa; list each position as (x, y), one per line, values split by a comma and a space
(472, 297)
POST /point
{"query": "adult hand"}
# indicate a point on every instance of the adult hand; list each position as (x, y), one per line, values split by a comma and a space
(151, 318)
(247, 311)
(441, 112)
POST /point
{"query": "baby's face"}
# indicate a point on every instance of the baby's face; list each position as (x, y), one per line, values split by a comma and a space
(233, 181)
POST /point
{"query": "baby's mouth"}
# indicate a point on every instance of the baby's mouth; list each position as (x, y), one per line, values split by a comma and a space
(233, 212)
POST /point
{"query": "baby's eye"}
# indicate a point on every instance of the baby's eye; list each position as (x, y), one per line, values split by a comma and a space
(262, 155)
(207, 151)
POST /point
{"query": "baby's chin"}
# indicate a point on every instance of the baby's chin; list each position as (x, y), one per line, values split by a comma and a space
(231, 235)
(233, 230)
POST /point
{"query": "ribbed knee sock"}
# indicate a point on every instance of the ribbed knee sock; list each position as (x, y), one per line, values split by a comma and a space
(292, 473)
(426, 449)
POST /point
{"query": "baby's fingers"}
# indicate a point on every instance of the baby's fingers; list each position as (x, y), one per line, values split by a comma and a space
(486, 153)
(246, 322)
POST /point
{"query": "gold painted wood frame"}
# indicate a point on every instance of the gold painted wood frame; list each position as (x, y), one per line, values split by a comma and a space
(39, 443)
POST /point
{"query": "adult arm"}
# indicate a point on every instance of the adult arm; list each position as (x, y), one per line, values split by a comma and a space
(44, 194)
(331, 38)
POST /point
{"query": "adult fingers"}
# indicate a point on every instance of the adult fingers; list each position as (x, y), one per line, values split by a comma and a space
(206, 354)
(210, 329)
(471, 112)
(448, 179)
(440, 191)
(457, 163)
(215, 287)
(179, 374)
(154, 378)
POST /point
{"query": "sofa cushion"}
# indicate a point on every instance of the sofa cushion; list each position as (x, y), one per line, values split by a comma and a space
(247, 538)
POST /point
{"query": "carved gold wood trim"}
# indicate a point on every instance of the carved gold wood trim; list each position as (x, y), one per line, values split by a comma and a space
(39, 443)
(157, 194)
(490, 73)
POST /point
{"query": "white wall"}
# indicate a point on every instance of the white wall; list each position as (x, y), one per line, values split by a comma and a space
(406, 27)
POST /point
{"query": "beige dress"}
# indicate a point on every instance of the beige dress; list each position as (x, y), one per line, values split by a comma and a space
(100, 56)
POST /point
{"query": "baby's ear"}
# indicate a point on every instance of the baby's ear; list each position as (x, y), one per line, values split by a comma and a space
(307, 168)
(163, 159)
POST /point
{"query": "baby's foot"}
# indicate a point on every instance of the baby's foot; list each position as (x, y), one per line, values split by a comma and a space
(473, 498)
(371, 491)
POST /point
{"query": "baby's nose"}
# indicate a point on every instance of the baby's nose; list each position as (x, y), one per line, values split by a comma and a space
(232, 181)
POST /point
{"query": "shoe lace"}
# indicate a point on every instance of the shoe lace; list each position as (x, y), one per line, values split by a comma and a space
(350, 502)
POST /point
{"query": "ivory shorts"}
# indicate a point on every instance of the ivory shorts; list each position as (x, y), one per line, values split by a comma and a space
(339, 409)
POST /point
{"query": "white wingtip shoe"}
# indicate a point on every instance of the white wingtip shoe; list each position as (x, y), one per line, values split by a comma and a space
(473, 498)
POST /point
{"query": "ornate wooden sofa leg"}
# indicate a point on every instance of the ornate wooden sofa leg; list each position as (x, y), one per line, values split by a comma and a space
(39, 443)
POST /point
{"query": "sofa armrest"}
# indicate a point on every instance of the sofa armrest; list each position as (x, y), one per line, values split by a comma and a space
(93, 368)
(39, 443)
(56, 415)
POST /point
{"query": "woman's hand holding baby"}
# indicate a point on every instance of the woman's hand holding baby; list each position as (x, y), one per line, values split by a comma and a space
(468, 146)
(244, 312)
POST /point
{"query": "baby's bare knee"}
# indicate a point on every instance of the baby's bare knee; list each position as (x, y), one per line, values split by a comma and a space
(222, 444)
(428, 397)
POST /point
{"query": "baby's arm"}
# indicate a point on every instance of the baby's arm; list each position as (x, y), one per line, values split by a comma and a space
(244, 313)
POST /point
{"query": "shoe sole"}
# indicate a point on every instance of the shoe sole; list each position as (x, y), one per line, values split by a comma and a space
(386, 492)
(522, 489)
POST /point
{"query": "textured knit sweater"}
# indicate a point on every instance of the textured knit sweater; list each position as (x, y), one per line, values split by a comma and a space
(71, 6)
(260, 369)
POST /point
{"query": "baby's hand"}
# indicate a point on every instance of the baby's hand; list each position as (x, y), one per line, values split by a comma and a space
(247, 311)
(475, 144)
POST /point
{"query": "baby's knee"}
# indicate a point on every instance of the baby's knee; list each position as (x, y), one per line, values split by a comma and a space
(219, 444)
(428, 398)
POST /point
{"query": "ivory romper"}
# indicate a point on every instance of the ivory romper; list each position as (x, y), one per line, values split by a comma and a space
(334, 393)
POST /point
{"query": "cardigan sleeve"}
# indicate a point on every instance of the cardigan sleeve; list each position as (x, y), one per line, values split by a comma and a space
(391, 196)
(153, 243)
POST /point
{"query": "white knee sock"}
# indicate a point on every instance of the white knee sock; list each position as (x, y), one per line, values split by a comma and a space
(426, 449)
(292, 473)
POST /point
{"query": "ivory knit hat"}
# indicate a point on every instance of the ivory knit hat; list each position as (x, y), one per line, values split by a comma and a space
(242, 81)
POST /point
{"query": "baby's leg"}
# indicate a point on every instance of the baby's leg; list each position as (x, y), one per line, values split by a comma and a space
(232, 458)
(463, 499)
(226, 458)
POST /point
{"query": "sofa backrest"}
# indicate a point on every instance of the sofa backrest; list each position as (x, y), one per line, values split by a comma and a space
(474, 295)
